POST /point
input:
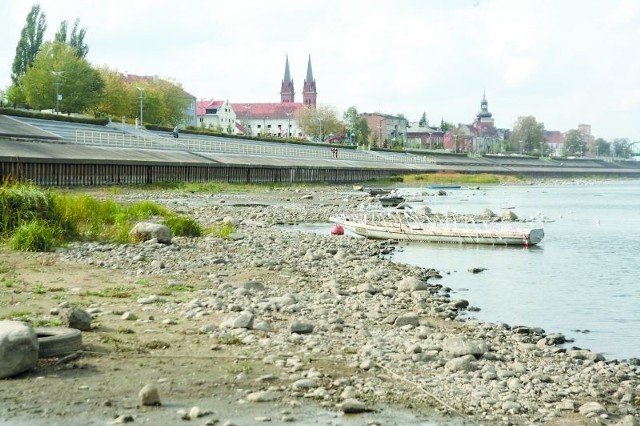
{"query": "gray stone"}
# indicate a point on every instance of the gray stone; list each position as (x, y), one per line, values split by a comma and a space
(149, 396)
(243, 320)
(352, 406)
(305, 384)
(585, 354)
(18, 348)
(368, 288)
(261, 396)
(76, 318)
(463, 363)
(148, 300)
(299, 327)
(629, 420)
(508, 215)
(459, 346)
(592, 408)
(408, 318)
(144, 231)
(250, 285)
(411, 284)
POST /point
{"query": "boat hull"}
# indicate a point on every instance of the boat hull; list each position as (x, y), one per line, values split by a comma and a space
(529, 237)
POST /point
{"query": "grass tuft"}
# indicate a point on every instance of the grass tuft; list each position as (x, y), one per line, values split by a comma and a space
(223, 231)
(182, 226)
(34, 219)
(36, 235)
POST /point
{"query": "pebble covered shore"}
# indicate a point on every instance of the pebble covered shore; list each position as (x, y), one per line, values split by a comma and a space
(338, 299)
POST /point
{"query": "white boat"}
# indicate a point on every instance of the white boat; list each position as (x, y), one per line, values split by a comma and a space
(414, 226)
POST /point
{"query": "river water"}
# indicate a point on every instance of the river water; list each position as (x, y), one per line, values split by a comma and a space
(582, 280)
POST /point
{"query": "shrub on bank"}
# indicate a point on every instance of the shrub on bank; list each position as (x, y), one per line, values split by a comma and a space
(183, 226)
(37, 235)
(34, 219)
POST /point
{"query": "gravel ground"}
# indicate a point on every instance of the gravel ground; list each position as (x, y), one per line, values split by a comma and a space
(278, 326)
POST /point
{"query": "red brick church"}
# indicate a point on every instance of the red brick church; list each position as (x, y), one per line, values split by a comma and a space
(278, 118)
(262, 118)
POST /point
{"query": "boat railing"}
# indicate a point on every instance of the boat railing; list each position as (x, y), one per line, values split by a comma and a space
(411, 220)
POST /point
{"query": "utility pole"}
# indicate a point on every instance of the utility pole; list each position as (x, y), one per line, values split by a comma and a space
(320, 120)
(288, 114)
(57, 74)
(141, 89)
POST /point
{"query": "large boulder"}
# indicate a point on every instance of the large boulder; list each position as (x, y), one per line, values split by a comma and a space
(508, 215)
(145, 231)
(76, 318)
(18, 348)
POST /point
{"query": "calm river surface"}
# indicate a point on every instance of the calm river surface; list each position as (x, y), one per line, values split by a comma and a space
(581, 281)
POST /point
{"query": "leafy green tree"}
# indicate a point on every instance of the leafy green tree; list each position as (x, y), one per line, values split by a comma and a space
(601, 147)
(574, 143)
(361, 131)
(175, 101)
(445, 126)
(114, 99)
(528, 135)
(320, 121)
(621, 148)
(30, 42)
(15, 96)
(75, 40)
(153, 108)
(356, 125)
(57, 70)
(423, 120)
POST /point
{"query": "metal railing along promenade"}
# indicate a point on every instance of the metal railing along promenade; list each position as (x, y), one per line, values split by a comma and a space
(240, 147)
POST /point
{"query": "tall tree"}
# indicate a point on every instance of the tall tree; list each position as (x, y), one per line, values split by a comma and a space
(75, 40)
(528, 135)
(30, 42)
(59, 73)
(601, 147)
(621, 148)
(356, 126)
(423, 120)
(61, 35)
(446, 125)
(574, 143)
(114, 100)
(320, 121)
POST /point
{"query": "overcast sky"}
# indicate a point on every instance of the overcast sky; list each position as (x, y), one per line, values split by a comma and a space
(564, 62)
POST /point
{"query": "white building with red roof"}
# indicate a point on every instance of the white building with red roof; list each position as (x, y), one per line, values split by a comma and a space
(216, 115)
(277, 118)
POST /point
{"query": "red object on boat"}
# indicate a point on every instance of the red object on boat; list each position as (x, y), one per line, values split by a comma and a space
(337, 230)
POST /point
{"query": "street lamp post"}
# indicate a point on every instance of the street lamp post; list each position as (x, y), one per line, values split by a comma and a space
(57, 74)
(247, 110)
(202, 113)
(288, 124)
(320, 120)
(141, 89)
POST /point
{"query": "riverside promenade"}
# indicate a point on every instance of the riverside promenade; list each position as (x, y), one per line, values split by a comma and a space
(66, 154)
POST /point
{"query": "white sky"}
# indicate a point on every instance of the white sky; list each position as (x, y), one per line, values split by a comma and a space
(565, 62)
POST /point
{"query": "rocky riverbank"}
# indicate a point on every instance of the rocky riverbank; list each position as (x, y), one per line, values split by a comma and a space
(288, 327)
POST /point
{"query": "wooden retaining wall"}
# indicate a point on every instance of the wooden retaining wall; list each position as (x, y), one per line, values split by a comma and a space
(87, 174)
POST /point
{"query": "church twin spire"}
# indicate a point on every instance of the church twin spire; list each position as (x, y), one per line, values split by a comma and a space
(287, 93)
(309, 92)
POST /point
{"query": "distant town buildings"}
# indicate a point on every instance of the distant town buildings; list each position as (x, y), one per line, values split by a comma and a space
(262, 118)
(385, 131)
(422, 136)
